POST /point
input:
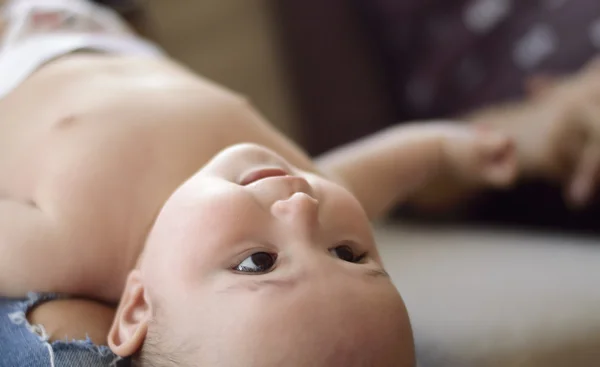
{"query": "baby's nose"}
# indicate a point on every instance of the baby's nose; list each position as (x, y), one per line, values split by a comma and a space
(299, 210)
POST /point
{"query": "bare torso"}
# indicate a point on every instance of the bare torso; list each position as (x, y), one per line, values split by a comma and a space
(90, 148)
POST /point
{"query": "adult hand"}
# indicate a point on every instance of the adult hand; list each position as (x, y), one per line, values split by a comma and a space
(557, 131)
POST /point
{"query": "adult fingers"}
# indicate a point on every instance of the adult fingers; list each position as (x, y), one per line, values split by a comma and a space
(587, 165)
(583, 182)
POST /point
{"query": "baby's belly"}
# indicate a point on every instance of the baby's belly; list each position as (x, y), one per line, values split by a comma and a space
(99, 154)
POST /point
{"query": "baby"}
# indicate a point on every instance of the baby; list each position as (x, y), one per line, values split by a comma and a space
(128, 180)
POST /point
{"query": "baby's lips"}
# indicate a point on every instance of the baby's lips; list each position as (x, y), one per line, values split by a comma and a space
(259, 174)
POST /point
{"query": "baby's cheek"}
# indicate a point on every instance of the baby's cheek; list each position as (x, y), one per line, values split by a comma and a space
(395, 331)
(346, 215)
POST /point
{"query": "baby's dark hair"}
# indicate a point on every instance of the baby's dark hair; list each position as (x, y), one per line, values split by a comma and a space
(157, 352)
(153, 354)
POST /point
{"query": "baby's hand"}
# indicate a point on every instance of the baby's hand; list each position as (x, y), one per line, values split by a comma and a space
(479, 157)
(473, 158)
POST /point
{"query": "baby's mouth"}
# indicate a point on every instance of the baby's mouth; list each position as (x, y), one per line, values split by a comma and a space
(262, 173)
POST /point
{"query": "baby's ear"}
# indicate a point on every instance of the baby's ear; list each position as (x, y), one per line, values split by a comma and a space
(129, 328)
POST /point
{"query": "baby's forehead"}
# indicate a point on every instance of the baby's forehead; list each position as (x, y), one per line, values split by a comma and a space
(310, 337)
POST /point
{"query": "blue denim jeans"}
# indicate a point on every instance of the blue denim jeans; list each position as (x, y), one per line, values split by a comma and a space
(26, 345)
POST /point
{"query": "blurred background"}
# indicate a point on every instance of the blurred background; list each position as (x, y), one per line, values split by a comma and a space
(235, 43)
(329, 72)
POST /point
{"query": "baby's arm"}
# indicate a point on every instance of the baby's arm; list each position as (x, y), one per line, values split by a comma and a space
(386, 168)
(27, 254)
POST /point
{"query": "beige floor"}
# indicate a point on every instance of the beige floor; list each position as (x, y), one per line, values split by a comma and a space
(233, 42)
(483, 298)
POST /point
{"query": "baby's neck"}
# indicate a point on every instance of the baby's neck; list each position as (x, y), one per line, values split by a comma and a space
(131, 260)
(111, 271)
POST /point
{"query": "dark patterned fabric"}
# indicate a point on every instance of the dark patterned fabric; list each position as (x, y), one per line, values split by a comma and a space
(445, 57)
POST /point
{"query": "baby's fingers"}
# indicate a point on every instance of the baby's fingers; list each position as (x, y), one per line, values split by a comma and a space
(498, 161)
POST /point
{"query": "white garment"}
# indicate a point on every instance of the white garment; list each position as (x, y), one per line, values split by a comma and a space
(39, 31)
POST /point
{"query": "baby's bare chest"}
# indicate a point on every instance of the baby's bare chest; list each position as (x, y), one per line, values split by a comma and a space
(101, 173)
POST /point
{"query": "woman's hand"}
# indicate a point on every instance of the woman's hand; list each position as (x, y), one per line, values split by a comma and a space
(557, 131)
(571, 151)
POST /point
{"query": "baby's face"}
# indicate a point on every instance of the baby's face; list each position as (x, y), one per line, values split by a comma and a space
(256, 263)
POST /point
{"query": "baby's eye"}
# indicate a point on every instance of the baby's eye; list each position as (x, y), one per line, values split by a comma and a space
(346, 253)
(258, 262)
